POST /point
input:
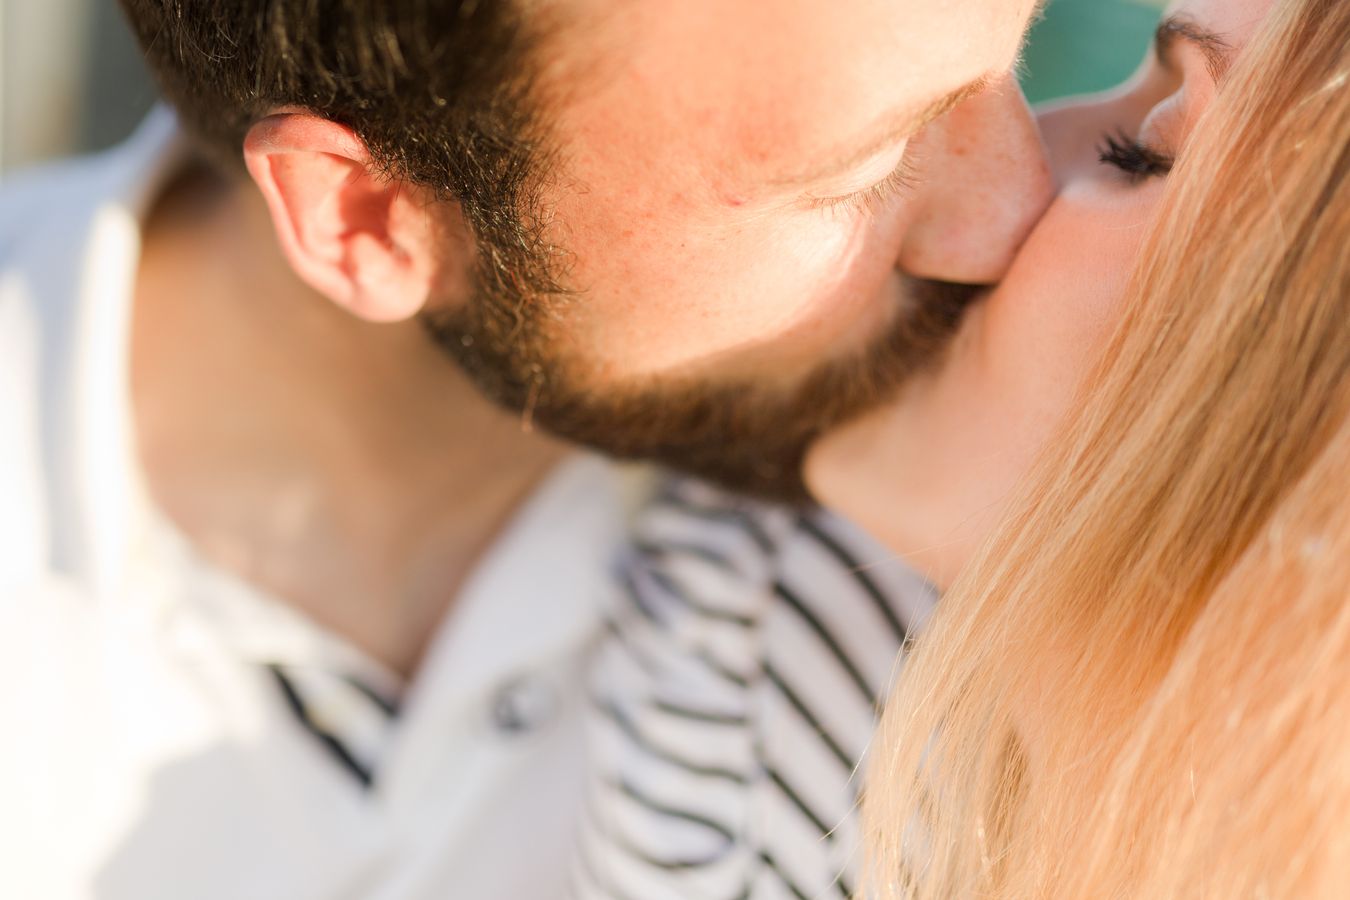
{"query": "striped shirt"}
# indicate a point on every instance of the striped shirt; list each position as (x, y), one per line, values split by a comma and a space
(733, 701)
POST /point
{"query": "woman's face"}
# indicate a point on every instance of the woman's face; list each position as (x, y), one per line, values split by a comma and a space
(929, 474)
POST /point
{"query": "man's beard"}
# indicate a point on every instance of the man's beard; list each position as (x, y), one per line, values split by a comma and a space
(743, 436)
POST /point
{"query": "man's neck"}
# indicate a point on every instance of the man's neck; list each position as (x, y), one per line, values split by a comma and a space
(346, 467)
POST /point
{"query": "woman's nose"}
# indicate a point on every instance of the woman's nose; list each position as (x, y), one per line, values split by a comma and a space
(985, 181)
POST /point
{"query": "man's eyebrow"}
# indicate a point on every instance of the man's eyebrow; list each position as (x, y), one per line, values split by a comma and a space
(890, 131)
(1218, 53)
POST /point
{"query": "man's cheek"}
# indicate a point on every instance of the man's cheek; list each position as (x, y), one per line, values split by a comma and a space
(733, 294)
(784, 287)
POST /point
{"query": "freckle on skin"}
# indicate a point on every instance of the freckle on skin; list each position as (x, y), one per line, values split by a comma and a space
(732, 199)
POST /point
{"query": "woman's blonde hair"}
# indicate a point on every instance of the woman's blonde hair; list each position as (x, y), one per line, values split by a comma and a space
(1141, 688)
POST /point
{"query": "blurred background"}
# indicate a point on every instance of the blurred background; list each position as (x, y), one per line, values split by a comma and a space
(71, 79)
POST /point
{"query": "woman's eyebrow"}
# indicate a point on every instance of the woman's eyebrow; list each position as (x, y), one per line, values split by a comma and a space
(1218, 53)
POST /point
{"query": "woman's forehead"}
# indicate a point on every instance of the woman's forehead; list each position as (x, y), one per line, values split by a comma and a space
(1234, 20)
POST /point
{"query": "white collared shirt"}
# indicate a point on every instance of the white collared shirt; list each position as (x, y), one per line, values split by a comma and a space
(169, 732)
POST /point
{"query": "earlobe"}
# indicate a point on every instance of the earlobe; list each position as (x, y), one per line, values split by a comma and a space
(363, 240)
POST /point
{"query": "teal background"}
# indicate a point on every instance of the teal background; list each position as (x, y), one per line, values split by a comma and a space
(1081, 46)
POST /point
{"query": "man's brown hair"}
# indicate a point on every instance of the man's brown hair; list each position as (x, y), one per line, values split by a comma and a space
(437, 89)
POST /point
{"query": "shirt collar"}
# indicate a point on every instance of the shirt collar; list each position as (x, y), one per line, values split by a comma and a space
(537, 592)
(92, 299)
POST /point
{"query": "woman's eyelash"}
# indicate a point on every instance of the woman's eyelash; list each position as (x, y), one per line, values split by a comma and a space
(1135, 159)
(901, 179)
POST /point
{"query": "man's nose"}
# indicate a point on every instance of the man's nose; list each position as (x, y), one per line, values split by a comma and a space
(984, 182)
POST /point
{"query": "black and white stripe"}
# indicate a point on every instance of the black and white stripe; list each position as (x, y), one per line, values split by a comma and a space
(734, 702)
(350, 721)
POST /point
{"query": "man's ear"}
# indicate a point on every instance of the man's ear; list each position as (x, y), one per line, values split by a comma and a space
(363, 240)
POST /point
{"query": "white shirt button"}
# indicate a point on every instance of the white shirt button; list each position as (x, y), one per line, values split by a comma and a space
(524, 705)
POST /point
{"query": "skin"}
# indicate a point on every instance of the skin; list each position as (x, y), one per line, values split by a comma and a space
(677, 127)
(739, 263)
(316, 454)
(930, 473)
(700, 250)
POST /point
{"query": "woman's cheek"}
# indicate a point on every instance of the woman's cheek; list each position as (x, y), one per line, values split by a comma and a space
(929, 474)
(1049, 321)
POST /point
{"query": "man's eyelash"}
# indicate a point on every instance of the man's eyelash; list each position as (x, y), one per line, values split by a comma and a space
(1135, 159)
(902, 178)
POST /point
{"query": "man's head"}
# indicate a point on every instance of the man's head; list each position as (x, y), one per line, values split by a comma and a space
(700, 232)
